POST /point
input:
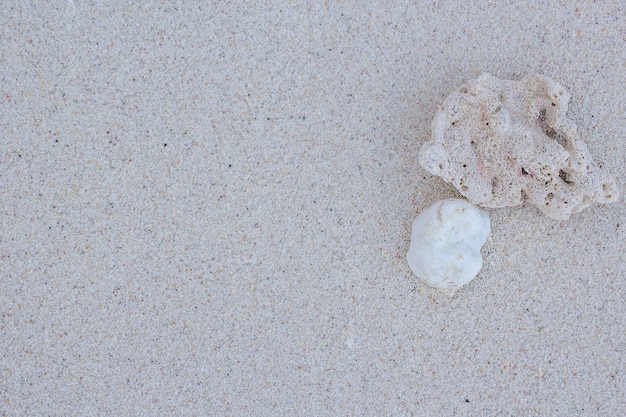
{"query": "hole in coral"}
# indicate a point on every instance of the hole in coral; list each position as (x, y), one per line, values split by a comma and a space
(464, 165)
(440, 166)
(524, 171)
(494, 183)
(553, 104)
(553, 134)
(464, 188)
(542, 115)
(549, 131)
(564, 175)
(550, 196)
(453, 123)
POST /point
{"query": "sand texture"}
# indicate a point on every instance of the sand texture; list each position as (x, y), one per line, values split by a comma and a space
(205, 210)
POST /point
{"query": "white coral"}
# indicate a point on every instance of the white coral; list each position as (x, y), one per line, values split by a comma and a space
(498, 140)
(445, 243)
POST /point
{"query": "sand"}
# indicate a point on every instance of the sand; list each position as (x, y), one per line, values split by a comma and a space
(205, 210)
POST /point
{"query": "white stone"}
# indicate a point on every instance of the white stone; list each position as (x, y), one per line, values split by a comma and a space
(446, 242)
(499, 141)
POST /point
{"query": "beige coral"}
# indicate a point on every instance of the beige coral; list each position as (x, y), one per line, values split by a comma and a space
(497, 141)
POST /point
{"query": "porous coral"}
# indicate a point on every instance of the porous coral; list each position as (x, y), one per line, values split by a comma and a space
(497, 141)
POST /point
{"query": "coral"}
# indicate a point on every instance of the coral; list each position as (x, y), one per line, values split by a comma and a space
(446, 242)
(497, 141)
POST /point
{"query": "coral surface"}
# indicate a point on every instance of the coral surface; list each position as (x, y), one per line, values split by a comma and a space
(446, 242)
(497, 141)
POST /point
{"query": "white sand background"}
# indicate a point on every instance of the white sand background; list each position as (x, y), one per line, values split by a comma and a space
(205, 208)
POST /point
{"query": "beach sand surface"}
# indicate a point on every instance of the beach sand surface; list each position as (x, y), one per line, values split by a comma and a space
(205, 210)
